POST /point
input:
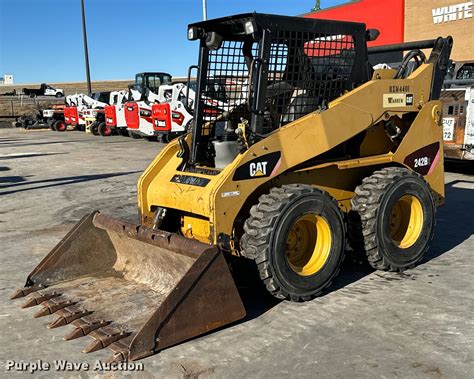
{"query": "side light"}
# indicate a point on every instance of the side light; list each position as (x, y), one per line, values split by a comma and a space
(249, 28)
(193, 34)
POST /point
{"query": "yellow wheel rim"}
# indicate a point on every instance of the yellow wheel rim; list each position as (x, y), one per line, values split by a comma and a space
(406, 221)
(308, 244)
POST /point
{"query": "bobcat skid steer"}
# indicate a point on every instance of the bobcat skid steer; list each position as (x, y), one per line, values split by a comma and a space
(324, 146)
(173, 115)
(138, 115)
(148, 118)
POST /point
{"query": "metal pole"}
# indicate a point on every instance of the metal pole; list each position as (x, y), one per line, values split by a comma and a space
(86, 52)
(204, 10)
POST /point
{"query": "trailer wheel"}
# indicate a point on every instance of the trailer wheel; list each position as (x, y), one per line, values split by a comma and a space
(295, 234)
(33, 95)
(393, 218)
(104, 130)
(60, 126)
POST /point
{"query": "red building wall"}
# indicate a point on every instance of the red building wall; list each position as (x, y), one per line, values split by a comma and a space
(388, 16)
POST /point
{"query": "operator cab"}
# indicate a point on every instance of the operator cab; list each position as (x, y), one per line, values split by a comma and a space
(150, 81)
(275, 71)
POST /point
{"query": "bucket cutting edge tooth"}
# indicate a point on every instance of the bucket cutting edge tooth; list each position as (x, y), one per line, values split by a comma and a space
(38, 298)
(65, 319)
(103, 339)
(50, 307)
(117, 357)
(83, 328)
(22, 292)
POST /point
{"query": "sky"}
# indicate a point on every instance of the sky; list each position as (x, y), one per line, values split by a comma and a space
(41, 40)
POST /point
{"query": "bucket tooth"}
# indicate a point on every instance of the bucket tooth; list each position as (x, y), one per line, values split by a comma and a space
(103, 337)
(76, 333)
(116, 358)
(51, 306)
(37, 298)
(22, 292)
(68, 315)
(120, 350)
(84, 327)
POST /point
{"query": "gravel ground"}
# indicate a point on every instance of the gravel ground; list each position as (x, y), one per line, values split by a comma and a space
(370, 324)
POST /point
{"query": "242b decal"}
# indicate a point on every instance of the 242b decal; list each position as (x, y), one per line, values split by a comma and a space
(423, 160)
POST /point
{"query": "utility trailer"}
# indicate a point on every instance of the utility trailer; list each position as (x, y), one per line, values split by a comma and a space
(52, 117)
(458, 112)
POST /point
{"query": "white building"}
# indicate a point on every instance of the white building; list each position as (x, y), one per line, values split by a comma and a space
(7, 79)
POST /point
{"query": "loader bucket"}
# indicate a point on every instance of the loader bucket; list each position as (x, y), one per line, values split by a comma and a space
(132, 289)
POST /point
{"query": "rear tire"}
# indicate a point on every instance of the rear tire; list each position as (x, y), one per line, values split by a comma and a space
(392, 219)
(295, 235)
(59, 126)
(123, 132)
(134, 135)
(104, 130)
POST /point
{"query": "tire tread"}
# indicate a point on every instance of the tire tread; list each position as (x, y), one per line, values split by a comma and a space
(362, 218)
(258, 229)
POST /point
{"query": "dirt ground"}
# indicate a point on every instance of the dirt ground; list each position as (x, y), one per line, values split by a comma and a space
(418, 324)
(74, 87)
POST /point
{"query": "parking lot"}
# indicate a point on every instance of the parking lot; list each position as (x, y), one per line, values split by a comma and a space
(416, 324)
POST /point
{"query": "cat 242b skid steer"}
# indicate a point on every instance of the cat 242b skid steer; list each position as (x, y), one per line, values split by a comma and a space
(315, 146)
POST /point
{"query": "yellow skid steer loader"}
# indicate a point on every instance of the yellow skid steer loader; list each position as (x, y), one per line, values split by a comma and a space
(314, 146)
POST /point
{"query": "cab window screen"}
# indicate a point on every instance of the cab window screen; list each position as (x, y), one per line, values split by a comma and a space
(306, 72)
(227, 80)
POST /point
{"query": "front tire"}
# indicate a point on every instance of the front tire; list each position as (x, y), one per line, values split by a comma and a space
(392, 219)
(296, 236)
(94, 129)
